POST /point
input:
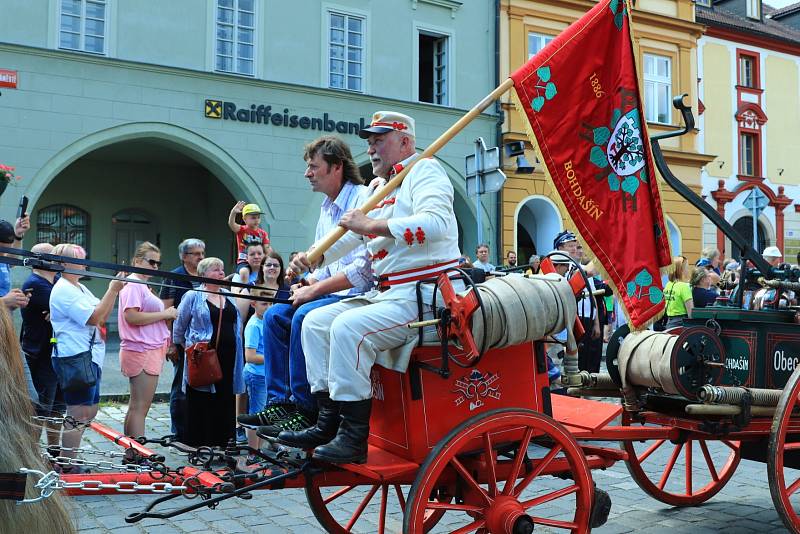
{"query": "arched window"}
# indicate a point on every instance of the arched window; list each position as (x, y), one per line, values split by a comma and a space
(62, 223)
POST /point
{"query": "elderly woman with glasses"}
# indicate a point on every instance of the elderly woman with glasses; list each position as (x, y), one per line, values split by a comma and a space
(144, 337)
(191, 251)
(212, 316)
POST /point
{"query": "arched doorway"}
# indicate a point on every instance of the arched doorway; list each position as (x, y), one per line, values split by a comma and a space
(136, 190)
(537, 223)
(744, 226)
(185, 179)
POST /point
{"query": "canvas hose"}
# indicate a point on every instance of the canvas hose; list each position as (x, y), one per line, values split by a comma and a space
(521, 309)
(644, 360)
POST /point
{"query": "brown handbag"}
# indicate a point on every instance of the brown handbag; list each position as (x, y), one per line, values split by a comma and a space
(202, 360)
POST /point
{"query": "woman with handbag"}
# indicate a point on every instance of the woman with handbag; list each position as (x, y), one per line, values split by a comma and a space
(208, 326)
(78, 319)
(143, 336)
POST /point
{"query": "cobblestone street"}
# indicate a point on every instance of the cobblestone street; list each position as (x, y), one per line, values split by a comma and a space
(743, 506)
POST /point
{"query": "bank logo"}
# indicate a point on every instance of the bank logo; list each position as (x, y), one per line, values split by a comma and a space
(477, 387)
(214, 109)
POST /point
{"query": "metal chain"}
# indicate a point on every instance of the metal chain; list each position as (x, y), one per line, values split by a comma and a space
(67, 421)
(101, 464)
(96, 452)
(121, 487)
(50, 482)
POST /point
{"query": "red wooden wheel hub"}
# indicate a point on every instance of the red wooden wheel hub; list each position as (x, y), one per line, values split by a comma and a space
(507, 516)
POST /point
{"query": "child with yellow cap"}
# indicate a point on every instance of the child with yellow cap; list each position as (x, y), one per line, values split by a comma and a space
(248, 233)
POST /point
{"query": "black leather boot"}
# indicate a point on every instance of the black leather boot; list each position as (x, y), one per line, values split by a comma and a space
(319, 434)
(350, 444)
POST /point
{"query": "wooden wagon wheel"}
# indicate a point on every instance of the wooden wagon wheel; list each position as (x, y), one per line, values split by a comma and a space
(692, 473)
(358, 515)
(783, 455)
(502, 486)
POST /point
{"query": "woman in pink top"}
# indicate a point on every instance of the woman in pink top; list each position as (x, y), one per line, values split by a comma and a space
(143, 336)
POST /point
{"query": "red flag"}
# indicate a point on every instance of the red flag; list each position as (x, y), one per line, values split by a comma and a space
(580, 96)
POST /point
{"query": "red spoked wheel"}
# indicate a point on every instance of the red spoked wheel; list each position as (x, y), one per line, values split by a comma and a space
(366, 508)
(500, 463)
(685, 473)
(783, 455)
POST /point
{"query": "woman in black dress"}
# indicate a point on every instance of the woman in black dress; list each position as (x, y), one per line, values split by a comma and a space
(210, 410)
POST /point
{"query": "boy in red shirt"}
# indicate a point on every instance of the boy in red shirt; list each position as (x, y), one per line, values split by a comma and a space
(246, 234)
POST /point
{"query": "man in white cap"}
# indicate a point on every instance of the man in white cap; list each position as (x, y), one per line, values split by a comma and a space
(773, 256)
(411, 235)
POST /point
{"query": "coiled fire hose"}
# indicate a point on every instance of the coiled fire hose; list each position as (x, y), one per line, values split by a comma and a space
(521, 309)
(644, 360)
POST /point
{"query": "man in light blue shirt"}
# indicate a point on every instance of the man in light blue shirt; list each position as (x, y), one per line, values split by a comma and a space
(482, 261)
(290, 405)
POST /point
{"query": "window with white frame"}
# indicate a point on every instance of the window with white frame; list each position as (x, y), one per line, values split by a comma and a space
(536, 42)
(747, 71)
(433, 68)
(235, 38)
(705, 3)
(754, 9)
(658, 88)
(747, 154)
(346, 52)
(82, 25)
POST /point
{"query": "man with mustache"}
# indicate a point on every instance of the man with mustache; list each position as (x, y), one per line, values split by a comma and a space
(410, 235)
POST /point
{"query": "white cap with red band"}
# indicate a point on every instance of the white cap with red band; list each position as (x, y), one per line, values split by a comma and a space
(386, 121)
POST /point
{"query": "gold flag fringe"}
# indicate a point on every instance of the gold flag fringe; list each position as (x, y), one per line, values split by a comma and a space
(562, 207)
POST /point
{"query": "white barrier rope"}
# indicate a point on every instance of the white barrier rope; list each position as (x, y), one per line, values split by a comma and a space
(527, 308)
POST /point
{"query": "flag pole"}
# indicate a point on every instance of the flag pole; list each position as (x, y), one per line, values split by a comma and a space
(334, 235)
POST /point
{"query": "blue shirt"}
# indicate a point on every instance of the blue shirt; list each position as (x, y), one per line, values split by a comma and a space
(254, 339)
(36, 330)
(194, 324)
(5, 279)
(355, 265)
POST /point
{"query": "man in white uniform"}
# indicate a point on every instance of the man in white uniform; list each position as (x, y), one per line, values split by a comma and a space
(410, 235)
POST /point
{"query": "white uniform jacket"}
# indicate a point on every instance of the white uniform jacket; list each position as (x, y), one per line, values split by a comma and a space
(423, 227)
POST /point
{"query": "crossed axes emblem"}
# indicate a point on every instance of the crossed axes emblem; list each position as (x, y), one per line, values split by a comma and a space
(475, 388)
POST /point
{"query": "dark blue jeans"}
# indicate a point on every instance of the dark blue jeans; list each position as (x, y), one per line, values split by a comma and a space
(177, 399)
(285, 371)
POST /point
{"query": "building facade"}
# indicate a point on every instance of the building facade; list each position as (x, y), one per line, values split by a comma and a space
(666, 35)
(750, 87)
(148, 120)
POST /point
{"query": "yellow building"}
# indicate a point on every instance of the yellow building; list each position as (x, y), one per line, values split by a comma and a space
(749, 63)
(667, 35)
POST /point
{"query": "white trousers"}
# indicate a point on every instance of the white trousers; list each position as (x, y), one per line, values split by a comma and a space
(341, 342)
